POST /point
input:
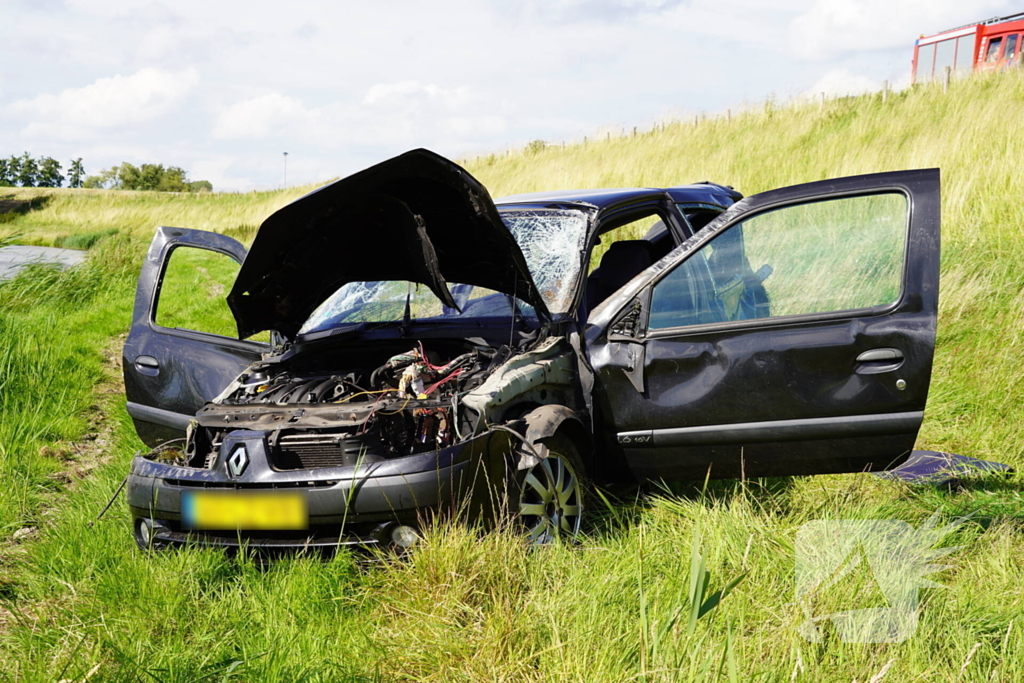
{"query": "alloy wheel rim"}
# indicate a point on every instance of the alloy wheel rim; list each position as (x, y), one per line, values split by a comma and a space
(550, 503)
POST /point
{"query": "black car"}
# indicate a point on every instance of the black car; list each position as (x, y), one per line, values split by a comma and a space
(433, 349)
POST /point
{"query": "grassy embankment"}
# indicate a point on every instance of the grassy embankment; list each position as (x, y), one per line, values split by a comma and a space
(463, 608)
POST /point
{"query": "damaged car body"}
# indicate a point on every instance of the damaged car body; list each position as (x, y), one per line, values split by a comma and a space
(433, 350)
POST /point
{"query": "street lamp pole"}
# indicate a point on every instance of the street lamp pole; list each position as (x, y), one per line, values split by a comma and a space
(286, 170)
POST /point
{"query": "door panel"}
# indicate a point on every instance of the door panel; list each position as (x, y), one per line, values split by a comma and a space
(817, 362)
(171, 371)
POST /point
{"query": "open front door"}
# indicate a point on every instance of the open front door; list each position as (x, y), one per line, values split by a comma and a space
(793, 335)
(181, 352)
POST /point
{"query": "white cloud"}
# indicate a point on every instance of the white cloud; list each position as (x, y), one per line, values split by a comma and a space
(405, 93)
(110, 102)
(395, 114)
(834, 27)
(260, 117)
(841, 82)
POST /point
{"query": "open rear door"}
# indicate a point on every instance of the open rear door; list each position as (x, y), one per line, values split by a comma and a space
(792, 335)
(181, 351)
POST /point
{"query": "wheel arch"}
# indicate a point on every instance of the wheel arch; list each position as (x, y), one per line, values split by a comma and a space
(546, 421)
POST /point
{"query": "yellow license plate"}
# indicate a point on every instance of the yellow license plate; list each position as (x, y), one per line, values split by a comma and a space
(244, 510)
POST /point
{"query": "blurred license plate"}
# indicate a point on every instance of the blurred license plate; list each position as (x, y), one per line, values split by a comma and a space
(244, 510)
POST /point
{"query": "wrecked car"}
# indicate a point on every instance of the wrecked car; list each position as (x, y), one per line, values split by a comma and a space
(428, 349)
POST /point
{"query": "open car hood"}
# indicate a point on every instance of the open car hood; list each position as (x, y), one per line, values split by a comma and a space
(416, 217)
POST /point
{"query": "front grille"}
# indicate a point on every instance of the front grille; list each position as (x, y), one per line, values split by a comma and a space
(310, 451)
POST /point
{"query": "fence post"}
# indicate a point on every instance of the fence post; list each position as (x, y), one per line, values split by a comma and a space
(821, 104)
(945, 79)
(728, 115)
(885, 91)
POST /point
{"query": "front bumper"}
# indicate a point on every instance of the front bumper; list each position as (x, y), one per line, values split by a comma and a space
(346, 505)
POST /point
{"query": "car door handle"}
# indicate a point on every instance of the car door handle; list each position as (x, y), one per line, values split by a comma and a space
(880, 356)
(147, 365)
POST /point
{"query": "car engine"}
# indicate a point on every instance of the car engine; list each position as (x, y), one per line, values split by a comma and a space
(407, 404)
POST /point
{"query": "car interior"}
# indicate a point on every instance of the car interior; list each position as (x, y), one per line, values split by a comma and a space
(624, 259)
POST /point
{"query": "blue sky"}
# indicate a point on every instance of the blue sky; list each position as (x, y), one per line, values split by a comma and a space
(223, 87)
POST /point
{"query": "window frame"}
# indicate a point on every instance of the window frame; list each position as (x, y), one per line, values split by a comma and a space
(199, 335)
(782, 320)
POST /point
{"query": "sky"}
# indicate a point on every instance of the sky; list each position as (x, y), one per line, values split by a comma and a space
(222, 88)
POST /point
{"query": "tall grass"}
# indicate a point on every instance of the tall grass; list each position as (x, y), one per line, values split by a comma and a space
(59, 215)
(81, 599)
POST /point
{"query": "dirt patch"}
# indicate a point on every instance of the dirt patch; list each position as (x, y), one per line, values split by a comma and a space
(94, 447)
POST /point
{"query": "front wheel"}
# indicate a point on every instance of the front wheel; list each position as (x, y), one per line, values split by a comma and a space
(551, 491)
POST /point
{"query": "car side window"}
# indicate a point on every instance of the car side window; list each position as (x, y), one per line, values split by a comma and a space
(834, 255)
(192, 294)
(624, 252)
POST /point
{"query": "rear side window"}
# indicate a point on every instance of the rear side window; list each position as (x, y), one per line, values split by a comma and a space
(944, 53)
(925, 61)
(965, 54)
(818, 257)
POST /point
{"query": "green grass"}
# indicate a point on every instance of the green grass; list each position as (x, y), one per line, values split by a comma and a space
(482, 607)
(58, 215)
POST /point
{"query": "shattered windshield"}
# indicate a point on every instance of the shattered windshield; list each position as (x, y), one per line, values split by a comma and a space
(551, 242)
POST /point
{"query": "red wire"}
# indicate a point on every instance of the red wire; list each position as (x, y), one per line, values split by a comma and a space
(423, 357)
(437, 384)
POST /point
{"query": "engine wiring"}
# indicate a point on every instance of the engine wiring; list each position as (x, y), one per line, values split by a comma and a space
(407, 404)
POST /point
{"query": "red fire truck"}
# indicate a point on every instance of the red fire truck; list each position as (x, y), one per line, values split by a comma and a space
(991, 45)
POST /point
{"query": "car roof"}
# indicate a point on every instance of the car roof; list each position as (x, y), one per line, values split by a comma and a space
(703, 193)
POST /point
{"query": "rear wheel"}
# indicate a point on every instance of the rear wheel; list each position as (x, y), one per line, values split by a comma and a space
(550, 500)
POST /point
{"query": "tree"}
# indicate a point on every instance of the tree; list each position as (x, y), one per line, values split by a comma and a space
(5, 173)
(173, 180)
(13, 168)
(49, 173)
(127, 177)
(75, 173)
(147, 177)
(27, 171)
(106, 179)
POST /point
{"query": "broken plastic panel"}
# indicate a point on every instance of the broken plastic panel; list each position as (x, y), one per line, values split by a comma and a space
(938, 468)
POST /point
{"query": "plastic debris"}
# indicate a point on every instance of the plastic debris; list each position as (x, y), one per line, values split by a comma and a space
(938, 468)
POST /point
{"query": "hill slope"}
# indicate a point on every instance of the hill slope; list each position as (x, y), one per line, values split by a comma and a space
(79, 601)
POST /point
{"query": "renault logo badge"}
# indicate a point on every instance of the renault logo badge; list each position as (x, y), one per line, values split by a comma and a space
(238, 461)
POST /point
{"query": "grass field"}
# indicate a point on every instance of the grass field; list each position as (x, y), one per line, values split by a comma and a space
(79, 602)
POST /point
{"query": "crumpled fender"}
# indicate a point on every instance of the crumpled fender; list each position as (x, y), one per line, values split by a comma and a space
(542, 423)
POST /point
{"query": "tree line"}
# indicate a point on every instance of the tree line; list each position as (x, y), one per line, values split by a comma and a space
(25, 171)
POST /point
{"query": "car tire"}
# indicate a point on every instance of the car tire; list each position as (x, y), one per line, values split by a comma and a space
(548, 490)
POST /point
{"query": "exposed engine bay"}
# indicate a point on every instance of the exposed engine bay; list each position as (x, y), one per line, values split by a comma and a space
(386, 405)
